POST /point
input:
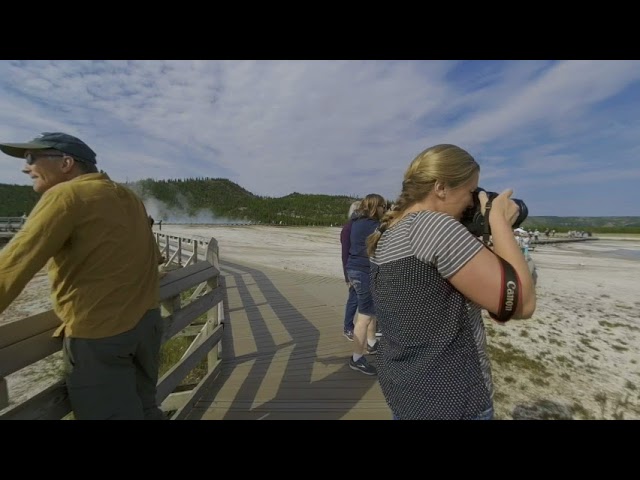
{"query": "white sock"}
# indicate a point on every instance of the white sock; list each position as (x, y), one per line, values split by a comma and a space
(371, 342)
(357, 357)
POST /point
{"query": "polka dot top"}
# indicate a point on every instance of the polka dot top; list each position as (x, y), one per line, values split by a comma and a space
(432, 361)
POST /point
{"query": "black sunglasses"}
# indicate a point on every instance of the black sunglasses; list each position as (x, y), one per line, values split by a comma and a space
(31, 159)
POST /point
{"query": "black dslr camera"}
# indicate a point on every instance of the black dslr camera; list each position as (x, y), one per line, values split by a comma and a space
(473, 219)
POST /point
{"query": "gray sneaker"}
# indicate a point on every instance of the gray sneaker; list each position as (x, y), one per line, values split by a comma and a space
(362, 366)
(372, 350)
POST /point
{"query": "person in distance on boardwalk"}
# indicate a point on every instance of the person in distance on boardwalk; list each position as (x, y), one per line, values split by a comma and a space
(366, 220)
(430, 278)
(103, 269)
(352, 300)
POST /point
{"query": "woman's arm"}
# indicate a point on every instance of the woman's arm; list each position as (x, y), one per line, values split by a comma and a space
(345, 241)
(480, 279)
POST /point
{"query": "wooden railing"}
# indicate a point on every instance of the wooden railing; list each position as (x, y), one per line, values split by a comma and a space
(29, 340)
(181, 250)
(11, 223)
(9, 226)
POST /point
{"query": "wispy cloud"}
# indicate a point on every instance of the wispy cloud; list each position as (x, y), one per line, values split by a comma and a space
(342, 127)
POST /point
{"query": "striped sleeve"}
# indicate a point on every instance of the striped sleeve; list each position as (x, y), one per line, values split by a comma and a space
(442, 241)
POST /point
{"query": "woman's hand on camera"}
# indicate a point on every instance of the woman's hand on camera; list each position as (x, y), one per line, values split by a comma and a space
(480, 279)
(502, 206)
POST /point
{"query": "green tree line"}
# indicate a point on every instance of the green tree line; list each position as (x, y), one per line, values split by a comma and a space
(16, 200)
(226, 199)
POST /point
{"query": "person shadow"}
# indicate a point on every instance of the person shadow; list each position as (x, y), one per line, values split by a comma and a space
(275, 363)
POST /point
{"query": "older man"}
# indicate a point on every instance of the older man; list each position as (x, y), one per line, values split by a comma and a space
(103, 269)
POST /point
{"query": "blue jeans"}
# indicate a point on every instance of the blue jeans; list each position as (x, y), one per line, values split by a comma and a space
(361, 282)
(350, 309)
(486, 415)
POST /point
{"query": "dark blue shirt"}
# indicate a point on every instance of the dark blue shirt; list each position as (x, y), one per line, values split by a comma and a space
(345, 241)
(361, 228)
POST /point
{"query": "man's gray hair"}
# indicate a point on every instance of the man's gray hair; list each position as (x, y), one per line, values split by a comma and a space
(86, 167)
(354, 206)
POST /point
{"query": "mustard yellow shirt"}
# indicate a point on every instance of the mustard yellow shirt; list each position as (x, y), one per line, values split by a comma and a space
(103, 259)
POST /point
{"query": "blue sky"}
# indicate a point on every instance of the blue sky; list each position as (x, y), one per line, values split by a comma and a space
(565, 135)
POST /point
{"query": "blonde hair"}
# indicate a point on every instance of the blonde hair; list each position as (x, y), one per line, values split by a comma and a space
(448, 164)
(369, 206)
(354, 206)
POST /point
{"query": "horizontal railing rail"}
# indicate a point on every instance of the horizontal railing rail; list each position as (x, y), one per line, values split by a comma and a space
(30, 340)
(181, 250)
(11, 224)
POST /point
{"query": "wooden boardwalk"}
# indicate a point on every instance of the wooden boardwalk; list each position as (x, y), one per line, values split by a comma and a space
(284, 356)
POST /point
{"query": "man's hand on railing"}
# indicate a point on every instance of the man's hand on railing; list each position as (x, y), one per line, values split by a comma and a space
(162, 271)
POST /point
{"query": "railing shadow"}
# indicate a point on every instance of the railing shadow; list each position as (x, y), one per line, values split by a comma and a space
(299, 368)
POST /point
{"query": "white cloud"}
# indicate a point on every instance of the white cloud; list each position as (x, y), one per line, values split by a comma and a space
(327, 126)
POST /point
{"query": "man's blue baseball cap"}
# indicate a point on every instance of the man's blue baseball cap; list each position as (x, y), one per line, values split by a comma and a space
(52, 140)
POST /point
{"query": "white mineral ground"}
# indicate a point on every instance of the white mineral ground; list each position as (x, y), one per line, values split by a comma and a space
(579, 353)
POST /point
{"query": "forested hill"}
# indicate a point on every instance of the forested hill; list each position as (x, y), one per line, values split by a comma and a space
(597, 223)
(16, 200)
(209, 200)
(223, 200)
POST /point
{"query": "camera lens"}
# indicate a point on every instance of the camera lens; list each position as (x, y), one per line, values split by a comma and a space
(524, 212)
(474, 221)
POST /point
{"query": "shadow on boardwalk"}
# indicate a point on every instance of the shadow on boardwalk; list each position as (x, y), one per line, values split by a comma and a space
(284, 353)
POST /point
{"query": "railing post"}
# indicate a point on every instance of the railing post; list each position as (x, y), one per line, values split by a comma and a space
(213, 318)
(169, 306)
(179, 251)
(166, 250)
(4, 393)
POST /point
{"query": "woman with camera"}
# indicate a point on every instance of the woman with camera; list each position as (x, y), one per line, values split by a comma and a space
(430, 278)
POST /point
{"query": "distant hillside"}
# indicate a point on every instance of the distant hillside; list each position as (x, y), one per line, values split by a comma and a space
(220, 199)
(225, 200)
(15, 200)
(593, 224)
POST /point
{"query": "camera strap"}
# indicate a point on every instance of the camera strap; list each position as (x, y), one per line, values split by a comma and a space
(510, 295)
(486, 233)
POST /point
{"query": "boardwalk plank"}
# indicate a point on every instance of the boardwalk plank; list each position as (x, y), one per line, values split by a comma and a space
(284, 356)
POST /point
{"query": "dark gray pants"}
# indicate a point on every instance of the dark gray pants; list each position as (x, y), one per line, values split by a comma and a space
(114, 378)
